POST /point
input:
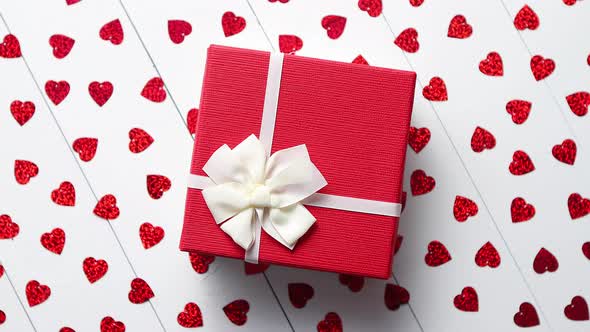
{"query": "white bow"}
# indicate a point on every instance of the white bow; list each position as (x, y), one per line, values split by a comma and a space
(253, 190)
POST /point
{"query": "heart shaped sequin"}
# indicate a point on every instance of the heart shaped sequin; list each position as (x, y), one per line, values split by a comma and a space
(191, 316)
(545, 262)
(100, 92)
(330, 323)
(237, 311)
(407, 40)
(178, 30)
(526, 18)
(61, 45)
(57, 91)
(191, 120)
(418, 138)
(200, 262)
(299, 294)
(565, 152)
(459, 28)
(64, 195)
(354, 283)
(521, 211)
(464, 208)
(436, 90)
(421, 183)
(578, 206)
(372, 7)
(232, 24)
(22, 112)
(154, 90)
(250, 268)
(24, 170)
(437, 254)
(108, 324)
(521, 163)
(579, 102)
(54, 241)
(10, 47)
(334, 25)
(150, 235)
(519, 109)
(577, 309)
(157, 185)
(360, 60)
(8, 229)
(139, 140)
(467, 300)
(487, 255)
(140, 291)
(36, 293)
(94, 269)
(482, 139)
(395, 296)
(289, 44)
(492, 65)
(85, 147)
(113, 32)
(585, 250)
(416, 3)
(541, 67)
(106, 207)
(526, 316)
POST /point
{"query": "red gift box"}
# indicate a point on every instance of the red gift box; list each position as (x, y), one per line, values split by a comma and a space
(354, 120)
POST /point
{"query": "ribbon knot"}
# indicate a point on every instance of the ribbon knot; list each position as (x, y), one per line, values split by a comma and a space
(260, 196)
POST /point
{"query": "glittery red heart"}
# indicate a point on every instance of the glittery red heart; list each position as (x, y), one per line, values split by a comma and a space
(290, 44)
(54, 241)
(62, 45)
(113, 32)
(407, 40)
(569, 2)
(334, 25)
(578, 206)
(487, 255)
(398, 243)
(24, 170)
(459, 28)
(482, 139)
(200, 262)
(418, 138)
(437, 254)
(106, 207)
(492, 65)
(588, 60)
(467, 300)
(521, 163)
(299, 294)
(1, 268)
(86, 147)
(519, 109)
(10, 47)
(526, 18)
(191, 120)
(520, 210)
(565, 152)
(359, 60)
(331, 323)
(139, 140)
(108, 324)
(395, 296)
(94, 269)
(354, 283)
(64, 195)
(280, 1)
(71, 2)
(154, 90)
(237, 311)
(577, 309)
(585, 251)
(545, 261)
(372, 7)
(464, 208)
(140, 291)
(421, 183)
(178, 29)
(250, 268)
(67, 329)
(22, 111)
(541, 67)
(436, 90)
(579, 102)
(100, 92)
(403, 200)
(416, 3)
(36, 293)
(232, 24)
(2, 317)
(8, 229)
(526, 316)
(150, 235)
(57, 91)
(157, 185)
(191, 316)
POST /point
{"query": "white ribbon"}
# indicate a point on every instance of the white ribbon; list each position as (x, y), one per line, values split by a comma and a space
(248, 190)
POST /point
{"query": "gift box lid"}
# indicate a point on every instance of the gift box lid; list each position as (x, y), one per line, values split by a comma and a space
(354, 121)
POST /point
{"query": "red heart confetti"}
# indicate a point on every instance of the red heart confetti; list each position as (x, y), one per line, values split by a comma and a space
(565, 152)
(398, 243)
(526, 18)
(482, 139)
(521, 163)
(467, 300)
(299, 294)
(545, 261)
(403, 200)
(2, 317)
(280, 1)
(416, 3)
(200, 262)
(521, 211)
(395, 296)
(421, 183)
(579, 102)
(94, 269)
(407, 40)
(330, 323)
(232, 24)
(157, 185)
(57, 91)
(24, 170)
(359, 60)
(578, 206)
(106, 207)
(569, 2)
(372, 7)
(150, 235)
(22, 112)
(585, 251)
(10, 47)
(191, 316)
(178, 29)
(67, 329)
(85, 147)
(36, 293)
(64, 195)
(140, 291)
(436, 90)
(191, 120)
(577, 309)
(354, 283)
(290, 44)
(526, 316)
(139, 140)
(237, 311)
(250, 268)
(492, 65)
(54, 241)
(519, 109)
(418, 138)
(487, 255)
(113, 32)
(100, 92)
(61, 45)
(8, 229)
(154, 90)
(334, 25)
(464, 208)
(1, 269)
(437, 254)
(71, 2)
(541, 67)
(459, 28)
(108, 324)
